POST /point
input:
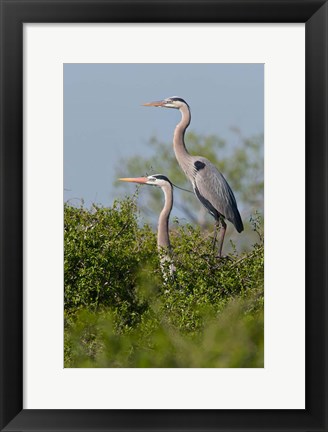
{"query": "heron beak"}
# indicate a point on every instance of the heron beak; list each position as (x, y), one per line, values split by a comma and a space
(135, 179)
(155, 104)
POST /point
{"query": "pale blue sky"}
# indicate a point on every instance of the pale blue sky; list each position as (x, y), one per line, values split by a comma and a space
(105, 122)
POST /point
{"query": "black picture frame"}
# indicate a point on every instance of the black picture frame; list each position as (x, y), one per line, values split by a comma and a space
(314, 13)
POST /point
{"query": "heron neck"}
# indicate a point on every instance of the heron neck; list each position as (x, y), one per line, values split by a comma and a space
(163, 239)
(179, 147)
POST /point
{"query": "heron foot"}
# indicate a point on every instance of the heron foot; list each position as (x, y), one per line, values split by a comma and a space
(224, 258)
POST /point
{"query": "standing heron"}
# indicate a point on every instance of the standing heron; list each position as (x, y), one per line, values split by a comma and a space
(209, 185)
(163, 238)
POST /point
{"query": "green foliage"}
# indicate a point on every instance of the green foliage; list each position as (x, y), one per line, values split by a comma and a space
(102, 256)
(121, 312)
(232, 338)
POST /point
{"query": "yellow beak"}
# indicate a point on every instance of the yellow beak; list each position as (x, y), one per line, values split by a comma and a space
(135, 179)
(155, 104)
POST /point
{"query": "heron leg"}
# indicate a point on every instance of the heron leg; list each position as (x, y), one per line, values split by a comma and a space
(221, 234)
(216, 229)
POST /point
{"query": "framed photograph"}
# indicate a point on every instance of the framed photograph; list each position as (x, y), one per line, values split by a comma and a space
(138, 337)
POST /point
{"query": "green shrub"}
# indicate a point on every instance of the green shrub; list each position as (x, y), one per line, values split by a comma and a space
(121, 312)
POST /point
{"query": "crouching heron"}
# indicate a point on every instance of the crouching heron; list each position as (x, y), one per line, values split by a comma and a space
(163, 237)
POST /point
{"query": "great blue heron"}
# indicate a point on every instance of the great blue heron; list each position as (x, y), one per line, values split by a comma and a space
(209, 185)
(163, 237)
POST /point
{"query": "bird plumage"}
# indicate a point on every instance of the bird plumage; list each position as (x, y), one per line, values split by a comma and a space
(163, 237)
(210, 186)
(214, 192)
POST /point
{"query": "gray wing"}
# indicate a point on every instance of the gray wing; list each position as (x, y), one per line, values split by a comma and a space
(214, 192)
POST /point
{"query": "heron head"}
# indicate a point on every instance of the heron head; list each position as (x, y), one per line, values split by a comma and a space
(158, 180)
(171, 102)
